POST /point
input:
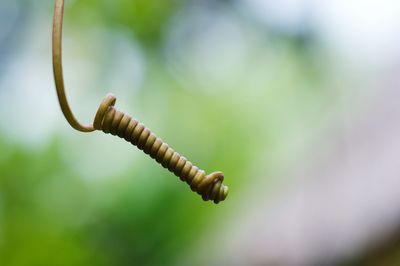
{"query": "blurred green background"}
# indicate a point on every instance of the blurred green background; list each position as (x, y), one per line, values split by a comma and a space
(256, 89)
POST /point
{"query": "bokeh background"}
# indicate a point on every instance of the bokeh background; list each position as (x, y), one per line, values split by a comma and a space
(296, 101)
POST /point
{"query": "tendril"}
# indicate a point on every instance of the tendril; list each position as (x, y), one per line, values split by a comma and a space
(110, 120)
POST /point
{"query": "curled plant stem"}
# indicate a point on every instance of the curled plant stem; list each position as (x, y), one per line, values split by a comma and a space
(58, 70)
(110, 120)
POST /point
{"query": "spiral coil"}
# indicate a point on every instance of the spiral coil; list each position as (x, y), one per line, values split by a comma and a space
(110, 120)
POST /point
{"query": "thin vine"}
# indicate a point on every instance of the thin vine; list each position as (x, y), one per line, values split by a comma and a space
(110, 120)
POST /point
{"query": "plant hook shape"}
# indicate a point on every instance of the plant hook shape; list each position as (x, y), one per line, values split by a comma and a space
(110, 120)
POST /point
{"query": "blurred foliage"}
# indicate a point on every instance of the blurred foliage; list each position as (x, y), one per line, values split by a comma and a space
(50, 214)
(52, 217)
(145, 19)
(241, 106)
(41, 204)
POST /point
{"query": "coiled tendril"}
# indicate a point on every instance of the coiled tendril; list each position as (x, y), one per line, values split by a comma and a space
(110, 120)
